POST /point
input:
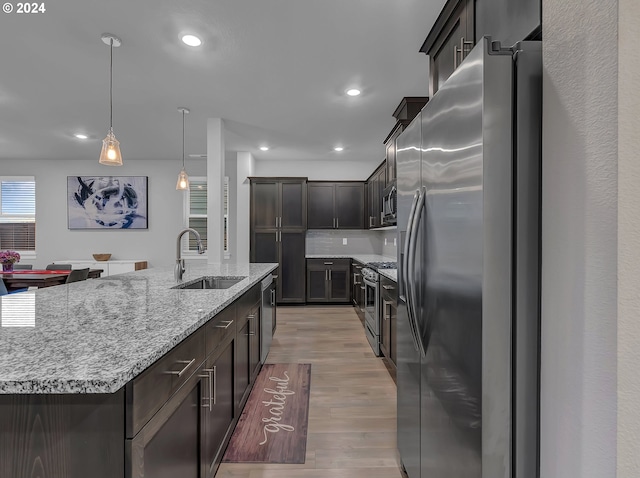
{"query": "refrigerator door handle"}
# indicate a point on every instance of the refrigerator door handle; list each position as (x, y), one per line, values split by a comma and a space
(404, 277)
(420, 207)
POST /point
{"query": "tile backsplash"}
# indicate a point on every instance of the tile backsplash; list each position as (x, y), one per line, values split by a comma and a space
(358, 242)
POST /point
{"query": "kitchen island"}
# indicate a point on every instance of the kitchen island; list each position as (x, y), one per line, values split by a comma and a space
(127, 376)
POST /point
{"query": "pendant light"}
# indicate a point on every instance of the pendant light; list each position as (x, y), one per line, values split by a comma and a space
(183, 179)
(110, 154)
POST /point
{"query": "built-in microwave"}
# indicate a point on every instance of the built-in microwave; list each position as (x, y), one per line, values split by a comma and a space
(390, 205)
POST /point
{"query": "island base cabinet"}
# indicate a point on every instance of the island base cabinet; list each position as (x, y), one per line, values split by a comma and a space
(169, 445)
(218, 407)
(128, 434)
(64, 435)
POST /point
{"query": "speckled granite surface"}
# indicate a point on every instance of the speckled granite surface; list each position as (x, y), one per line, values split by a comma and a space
(389, 274)
(95, 336)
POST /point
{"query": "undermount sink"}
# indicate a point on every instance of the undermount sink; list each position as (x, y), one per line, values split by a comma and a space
(210, 282)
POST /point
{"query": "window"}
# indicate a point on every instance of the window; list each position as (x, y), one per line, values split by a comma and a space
(196, 212)
(18, 213)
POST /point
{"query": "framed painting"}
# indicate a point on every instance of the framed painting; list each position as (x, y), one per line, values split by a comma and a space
(107, 202)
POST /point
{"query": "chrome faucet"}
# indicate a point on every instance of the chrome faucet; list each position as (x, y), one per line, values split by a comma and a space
(179, 268)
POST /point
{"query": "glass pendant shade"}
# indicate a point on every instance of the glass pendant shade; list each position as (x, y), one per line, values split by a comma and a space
(110, 154)
(183, 181)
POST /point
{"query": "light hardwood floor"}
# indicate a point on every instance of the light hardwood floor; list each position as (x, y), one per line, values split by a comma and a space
(352, 405)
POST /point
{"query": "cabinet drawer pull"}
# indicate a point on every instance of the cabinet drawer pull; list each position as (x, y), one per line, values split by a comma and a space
(188, 363)
(388, 287)
(211, 375)
(215, 384)
(229, 322)
(250, 334)
(274, 277)
(328, 263)
(357, 283)
(251, 316)
(363, 287)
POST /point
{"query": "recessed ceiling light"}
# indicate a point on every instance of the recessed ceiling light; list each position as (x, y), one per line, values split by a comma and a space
(338, 148)
(191, 40)
(264, 148)
(353, 92)
(81, 136)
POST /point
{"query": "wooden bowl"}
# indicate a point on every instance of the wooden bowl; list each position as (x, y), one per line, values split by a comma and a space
(102, 257)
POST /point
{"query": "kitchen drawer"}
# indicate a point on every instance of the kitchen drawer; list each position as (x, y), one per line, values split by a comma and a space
(247, 302)
(219, 328)
(152, 388)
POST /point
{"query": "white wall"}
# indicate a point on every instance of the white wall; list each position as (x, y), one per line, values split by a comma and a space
(320, 170)
(579, 253)
(54, 241)
(628, 241)
(245, 165)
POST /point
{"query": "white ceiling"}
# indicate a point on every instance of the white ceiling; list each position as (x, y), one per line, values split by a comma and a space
(274, 70)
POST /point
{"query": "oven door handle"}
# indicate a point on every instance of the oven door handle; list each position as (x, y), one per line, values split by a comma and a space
(369, 283)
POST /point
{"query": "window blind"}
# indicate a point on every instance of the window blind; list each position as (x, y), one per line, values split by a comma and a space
(18, 213)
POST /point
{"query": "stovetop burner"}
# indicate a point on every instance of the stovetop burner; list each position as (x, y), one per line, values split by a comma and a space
(382, 265)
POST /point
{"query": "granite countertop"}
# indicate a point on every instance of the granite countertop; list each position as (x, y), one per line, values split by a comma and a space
(389, 274)
(95, 336)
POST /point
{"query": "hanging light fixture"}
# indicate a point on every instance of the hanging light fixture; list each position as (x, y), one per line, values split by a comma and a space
(110, 154)
(183, 179)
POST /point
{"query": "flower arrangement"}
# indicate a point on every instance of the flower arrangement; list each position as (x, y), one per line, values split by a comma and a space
(9, 257)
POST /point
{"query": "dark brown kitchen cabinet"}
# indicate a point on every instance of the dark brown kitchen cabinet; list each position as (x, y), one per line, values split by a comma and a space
(509, 21)
(390, 157)
(329, 280)
(287, 249)
(388, 319)
(335, 205)
(278, 228)
(278, 203)
(248, 344)
(218, 403)
(449, 41)
(405, 112)
(375, 190)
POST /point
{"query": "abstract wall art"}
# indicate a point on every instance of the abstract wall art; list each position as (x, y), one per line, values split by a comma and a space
(107, 202)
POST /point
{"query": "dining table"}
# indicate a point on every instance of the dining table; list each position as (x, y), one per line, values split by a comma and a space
(23, 279)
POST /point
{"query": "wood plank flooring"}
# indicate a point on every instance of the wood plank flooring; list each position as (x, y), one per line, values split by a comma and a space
(352, 405)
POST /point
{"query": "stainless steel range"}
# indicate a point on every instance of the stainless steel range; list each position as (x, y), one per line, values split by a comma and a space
(371, 302)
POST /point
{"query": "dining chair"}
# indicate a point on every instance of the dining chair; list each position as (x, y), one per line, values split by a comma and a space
(22, 267)
(77, 275)
(59, 267)
(3, 288)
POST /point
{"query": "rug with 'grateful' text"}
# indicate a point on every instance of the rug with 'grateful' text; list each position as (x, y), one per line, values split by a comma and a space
(273, 424)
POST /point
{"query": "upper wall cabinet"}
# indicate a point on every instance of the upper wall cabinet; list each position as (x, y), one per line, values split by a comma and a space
(278, 203)
(508, 21)
(408, 109)
(335, 205)
(450, 40)
(375, 190)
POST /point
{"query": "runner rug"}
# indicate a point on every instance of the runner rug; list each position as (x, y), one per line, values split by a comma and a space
(273, 424)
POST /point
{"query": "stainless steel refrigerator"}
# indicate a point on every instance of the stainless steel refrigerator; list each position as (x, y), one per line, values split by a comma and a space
(468, 177)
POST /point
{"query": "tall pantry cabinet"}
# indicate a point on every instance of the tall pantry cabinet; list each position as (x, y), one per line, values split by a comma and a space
(278, 230)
